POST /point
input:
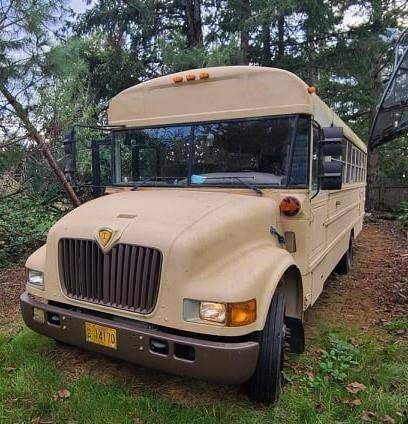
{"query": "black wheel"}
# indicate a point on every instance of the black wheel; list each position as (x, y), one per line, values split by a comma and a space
(346, 262)
(265, 384)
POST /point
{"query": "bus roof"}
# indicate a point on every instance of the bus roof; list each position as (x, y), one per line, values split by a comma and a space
(219, 93)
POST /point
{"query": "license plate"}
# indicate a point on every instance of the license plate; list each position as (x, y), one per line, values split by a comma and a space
(101, 335)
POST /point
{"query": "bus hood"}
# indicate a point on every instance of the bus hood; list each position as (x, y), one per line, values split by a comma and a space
(167, 219)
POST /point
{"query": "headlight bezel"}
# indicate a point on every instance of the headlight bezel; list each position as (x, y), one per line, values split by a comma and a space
(35, 278)
(226, 314)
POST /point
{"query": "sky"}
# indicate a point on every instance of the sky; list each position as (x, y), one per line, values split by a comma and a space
(78, 6)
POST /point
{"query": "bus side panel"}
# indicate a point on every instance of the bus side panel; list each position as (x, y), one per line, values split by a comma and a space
(318, 242)
(344, 211)
(344, 214)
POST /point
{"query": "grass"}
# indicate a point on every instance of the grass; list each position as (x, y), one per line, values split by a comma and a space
(315, 391)
(397, 325)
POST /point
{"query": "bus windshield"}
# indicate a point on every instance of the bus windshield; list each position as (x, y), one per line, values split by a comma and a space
(264, 152)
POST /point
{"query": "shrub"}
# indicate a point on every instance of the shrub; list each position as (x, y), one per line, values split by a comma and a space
(403, 213)
(24, 223)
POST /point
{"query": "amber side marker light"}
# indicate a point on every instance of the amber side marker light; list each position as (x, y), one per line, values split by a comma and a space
(242, 313)
(311, 89)
(289, 206)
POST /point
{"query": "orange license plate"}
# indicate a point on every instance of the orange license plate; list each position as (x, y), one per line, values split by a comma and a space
(101, 335)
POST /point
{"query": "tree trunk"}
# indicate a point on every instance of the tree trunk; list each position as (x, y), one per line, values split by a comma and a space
(266, 45)
(281, 34)
(39, 140)
(244, 13)
(194, 27)
(244, 47)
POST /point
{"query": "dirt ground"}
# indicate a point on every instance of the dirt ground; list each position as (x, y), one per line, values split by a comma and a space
(375, 292)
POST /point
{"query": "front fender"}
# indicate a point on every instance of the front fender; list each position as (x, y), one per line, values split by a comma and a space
(36, 261)
(254, 273)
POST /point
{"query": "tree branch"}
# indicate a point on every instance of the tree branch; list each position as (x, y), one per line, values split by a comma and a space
(38, 138)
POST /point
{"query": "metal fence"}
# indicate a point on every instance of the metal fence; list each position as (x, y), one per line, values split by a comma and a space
(386, 197)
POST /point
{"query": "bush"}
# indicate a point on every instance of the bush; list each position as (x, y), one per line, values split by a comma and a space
(24, 223)
(403, 213)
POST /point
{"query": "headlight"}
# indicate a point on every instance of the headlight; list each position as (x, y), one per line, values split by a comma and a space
(211, 311)
(35, 278)
(229, 314)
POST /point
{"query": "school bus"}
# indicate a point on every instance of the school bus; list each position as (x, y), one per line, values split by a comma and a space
(235, 193)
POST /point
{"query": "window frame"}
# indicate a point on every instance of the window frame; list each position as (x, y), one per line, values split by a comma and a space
(354, 163)
(317, 126)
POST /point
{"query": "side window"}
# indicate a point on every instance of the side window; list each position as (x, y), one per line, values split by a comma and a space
(300, 155)
(315, 152)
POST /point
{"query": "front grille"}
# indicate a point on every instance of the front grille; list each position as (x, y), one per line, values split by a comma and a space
(127, 277)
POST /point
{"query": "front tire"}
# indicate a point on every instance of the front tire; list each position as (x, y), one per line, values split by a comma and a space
(265, 384)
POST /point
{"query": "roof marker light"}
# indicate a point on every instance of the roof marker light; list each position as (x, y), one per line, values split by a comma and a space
(311, 89)
(177, 79)
(190, 77)
(204, 75)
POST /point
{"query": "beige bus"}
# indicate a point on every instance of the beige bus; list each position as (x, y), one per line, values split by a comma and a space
(234, 193)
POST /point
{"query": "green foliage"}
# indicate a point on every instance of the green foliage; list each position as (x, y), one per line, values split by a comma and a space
(24, 224)
(397, 325)
(334, 363)
(393, 159)
(403, 213)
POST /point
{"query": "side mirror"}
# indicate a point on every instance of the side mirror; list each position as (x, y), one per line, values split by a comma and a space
(70, 151)
(331, 169)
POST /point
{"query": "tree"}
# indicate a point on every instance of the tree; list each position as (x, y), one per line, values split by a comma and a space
(24, 38)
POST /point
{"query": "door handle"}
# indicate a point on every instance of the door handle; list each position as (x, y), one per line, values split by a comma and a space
(338, 203)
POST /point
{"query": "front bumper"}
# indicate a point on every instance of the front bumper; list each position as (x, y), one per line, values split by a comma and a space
(214, 361)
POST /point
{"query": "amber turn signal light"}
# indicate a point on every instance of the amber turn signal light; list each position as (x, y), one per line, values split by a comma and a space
(242, 313)
(289, 206)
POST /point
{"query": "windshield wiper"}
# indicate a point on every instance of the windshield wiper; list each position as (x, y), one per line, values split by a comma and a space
(149, 179)
(249, 185)
(241, 180)
(253, 187)
(143, 182)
